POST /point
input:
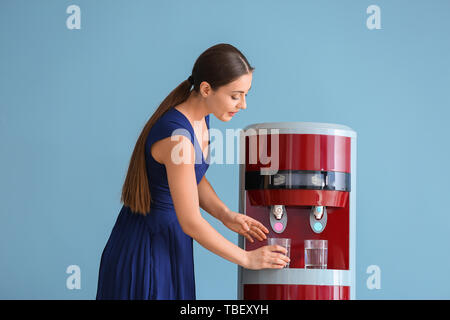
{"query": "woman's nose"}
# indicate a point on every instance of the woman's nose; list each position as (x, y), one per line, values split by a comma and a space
(243, 104)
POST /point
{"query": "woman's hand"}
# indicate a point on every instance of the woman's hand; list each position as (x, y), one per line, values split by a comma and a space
(246, 226)
(266, 257)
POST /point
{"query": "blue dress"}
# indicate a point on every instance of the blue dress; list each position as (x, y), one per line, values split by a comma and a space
(150, 257)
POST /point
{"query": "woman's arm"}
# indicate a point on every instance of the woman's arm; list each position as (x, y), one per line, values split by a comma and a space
(210, 202)
(183, 188)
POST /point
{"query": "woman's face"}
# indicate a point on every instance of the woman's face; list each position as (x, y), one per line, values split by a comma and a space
(229, 98)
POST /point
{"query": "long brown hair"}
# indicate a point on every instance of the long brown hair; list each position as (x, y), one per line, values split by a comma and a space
(218, 65)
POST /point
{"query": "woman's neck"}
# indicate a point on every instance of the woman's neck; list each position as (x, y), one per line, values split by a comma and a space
(194, 107)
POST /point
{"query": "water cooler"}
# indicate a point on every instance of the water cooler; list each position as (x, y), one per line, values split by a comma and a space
(299, 180)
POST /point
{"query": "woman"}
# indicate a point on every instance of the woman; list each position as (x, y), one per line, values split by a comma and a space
(149, 254)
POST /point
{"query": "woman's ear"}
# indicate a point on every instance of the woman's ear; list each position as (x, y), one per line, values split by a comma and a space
(205, 89)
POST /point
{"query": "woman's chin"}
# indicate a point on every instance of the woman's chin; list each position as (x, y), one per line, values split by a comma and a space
(226, 117)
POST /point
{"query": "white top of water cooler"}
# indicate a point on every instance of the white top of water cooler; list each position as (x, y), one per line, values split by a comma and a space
(303, 128)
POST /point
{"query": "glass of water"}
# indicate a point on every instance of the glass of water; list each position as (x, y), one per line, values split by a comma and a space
(316, 254)
(284, 242)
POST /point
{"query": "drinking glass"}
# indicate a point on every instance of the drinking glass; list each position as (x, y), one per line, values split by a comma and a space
(316, 254)
(284, 242)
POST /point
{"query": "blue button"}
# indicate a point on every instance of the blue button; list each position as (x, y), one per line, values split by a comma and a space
(319, 209)
(318, 227)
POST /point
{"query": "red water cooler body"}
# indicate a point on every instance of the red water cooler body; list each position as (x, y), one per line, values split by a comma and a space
(311, 184)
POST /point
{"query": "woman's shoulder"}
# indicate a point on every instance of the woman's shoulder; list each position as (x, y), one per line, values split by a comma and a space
(170, 123)
(160, 142)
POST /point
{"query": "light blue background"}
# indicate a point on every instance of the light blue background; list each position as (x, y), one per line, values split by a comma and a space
(72, 103)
